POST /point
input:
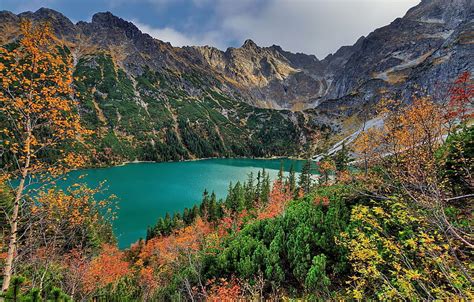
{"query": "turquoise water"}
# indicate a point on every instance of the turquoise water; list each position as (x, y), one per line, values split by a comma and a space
(147, 191)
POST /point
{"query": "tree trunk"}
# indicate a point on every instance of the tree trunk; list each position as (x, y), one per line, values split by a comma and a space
(366, 166)
(7, 274)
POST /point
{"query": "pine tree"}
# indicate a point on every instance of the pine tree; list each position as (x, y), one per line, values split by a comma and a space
(305, 177)
(212, 210)
(250, 192)
(258, 186)
(292, 179)
(239, 202)
(341, 158)
(265, 189)
(280, 173)
(204, 206)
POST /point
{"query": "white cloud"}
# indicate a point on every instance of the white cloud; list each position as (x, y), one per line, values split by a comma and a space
(177, 38)
(158, 3)
(311, 26)
(166, 34)
(316, 27)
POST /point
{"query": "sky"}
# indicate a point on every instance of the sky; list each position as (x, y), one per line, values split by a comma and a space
(316, 27)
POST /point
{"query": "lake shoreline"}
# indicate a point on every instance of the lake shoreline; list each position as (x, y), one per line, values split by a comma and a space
(125, 163)
(192, 160)
(146, 192)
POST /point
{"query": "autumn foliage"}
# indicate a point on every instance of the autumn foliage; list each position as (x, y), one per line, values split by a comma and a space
(38, 115)
(76, 206)
(159, 255)
(224, 290)
(37, 103)
(279, 196)
(460, 105)
(401, 230)
(416, 242)
(325, 167)
(106, 269)
(231, 222)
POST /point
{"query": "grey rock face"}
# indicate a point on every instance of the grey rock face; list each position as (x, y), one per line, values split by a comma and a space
(427, 48)
(431, 44)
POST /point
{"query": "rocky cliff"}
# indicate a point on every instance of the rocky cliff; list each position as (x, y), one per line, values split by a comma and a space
(146, 96)
(427, 48)
(434, 38)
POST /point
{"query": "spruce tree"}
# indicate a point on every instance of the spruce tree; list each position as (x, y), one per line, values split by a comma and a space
(249, 191)
(194, 213)
(220, 209)
(204, 206)
(341, 158)
(292, 178)
(149, 233)
(305, 177)
(160, 227)
(177, 221)
(230, 199)
(186, 216)
(212, 210)
(258, 186)
(265, 189)
(168, 224)
(239, 201)
(280, 172)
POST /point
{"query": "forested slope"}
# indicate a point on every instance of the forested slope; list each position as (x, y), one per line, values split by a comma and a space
(400, 227)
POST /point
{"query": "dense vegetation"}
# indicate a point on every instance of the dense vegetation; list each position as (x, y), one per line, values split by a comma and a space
(353, 236)
(162, 116)
(398, 227)
(240, 197)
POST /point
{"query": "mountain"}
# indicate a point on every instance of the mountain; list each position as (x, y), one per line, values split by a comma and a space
(269, 76)
(149, 100)
(428, 47)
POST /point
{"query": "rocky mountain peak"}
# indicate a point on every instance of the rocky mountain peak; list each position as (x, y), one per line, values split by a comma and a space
(448, 12)
(8, 26)
(7, 16)
(276, 48)
(434, 37)
(60, 23)
(249, 44)
(45, 13)
(109, 20)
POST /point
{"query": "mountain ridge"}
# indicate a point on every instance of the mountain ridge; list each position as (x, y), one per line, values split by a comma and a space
(143, 94)
(270, 77)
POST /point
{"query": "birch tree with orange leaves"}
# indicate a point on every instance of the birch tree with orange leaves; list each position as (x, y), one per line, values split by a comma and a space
(408, 156)
(39, 120)
(408, 149)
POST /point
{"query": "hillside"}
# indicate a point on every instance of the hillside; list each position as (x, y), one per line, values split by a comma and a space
(148, 100)
(396, 223)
